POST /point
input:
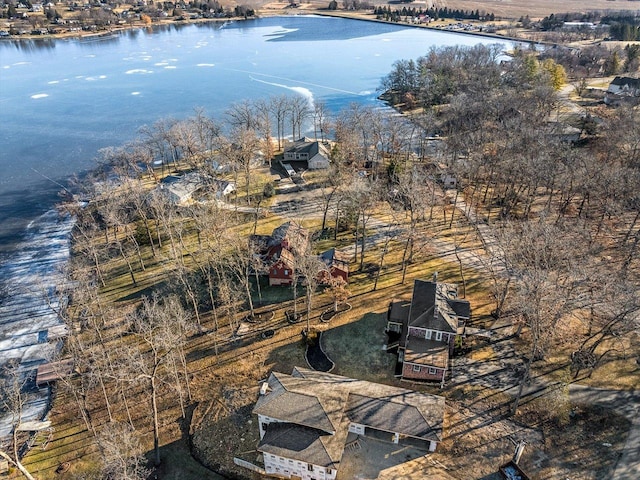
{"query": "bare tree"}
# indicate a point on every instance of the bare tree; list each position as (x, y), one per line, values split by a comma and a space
(279, 107)
(121, 453)
(548, 285)
(12, 400)
(300, 110)
(161, 326)
(310, 267)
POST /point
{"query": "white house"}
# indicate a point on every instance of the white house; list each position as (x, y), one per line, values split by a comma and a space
(624, 86)
(305, 419)
(223, 188)
(315, 153)
(179, 189)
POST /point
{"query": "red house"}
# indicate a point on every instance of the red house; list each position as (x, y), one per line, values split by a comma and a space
(337, 263)
(281, 270)
(286, 241)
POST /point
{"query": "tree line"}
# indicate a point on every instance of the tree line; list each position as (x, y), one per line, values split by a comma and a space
(561, 196)
(388, 13)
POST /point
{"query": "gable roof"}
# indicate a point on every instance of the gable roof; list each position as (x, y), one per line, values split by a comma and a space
(435, 306)
(421, 351)
(316, 428)
(300, 443)
(180, 188)
(315, 409)
(293, 400)
(281, 254)
(336, 259)
(308, 146)
(290, 235)
(626, 81)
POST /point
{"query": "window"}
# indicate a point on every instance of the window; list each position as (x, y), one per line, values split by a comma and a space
(416, 368)
(286, 272)
(432, 371)
(309, 467)
(438, 336)
(428, 335)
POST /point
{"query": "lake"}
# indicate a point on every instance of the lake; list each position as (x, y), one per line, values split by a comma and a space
(63, 100)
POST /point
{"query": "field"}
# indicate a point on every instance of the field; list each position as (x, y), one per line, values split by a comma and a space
(505, 9)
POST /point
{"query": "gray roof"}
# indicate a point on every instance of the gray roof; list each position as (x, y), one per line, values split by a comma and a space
(435, 306)
(399, 311)
(629, 81)
(430, 353)
(315, 409)
(395, 414)
(307, 145)
(290, 400)
(299, 443)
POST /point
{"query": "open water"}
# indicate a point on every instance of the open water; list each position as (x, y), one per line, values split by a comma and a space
(63, 100)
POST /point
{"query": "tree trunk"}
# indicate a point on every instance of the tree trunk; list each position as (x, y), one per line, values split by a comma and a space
(523, 381)
(156, 426)
(18, 465)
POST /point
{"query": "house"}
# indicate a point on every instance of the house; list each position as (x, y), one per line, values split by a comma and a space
(292, 236)
(307, 418)
(179, 189)
(281, 270)
(222, 188)
(316, 154)
(286, 241)
(625, 86)
(426, 328)
(337, 263)
(622, 90)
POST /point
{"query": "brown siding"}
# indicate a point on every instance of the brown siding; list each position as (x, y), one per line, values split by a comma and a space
(423, 374)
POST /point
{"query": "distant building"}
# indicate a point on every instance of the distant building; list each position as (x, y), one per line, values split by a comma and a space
(622, 89)
(337, 263)
(179, 189)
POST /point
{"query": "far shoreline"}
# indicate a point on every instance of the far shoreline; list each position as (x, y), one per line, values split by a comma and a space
(350, 15)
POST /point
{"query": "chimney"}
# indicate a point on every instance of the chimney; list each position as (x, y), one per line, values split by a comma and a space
(435, 277)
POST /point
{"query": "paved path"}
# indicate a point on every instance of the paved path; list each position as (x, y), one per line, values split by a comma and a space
(625, 403)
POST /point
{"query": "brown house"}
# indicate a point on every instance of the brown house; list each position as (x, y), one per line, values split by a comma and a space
(426, 329)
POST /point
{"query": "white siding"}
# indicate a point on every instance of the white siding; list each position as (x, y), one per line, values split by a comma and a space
(288, 467)
(356, 428)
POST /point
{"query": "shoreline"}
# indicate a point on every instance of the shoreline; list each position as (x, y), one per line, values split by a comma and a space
(366, 17)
